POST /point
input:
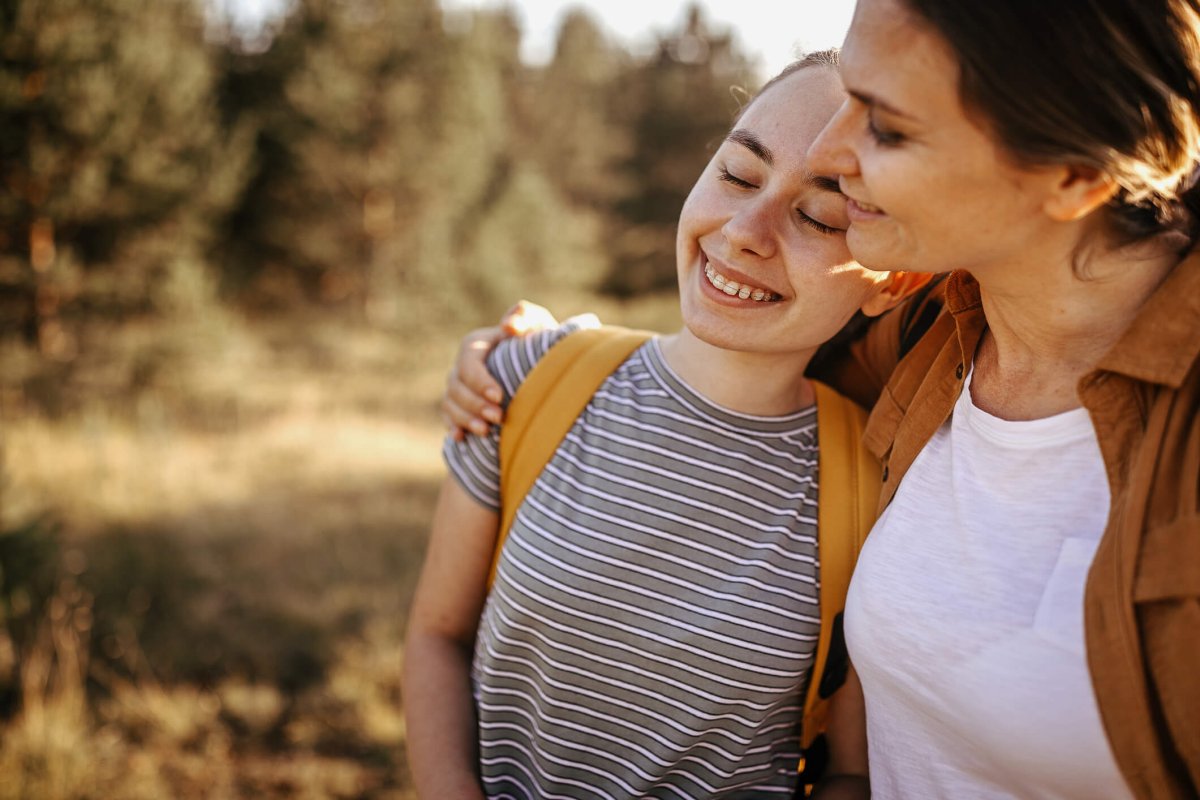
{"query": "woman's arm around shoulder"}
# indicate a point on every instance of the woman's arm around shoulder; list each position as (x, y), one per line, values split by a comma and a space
(859, 360)
(438, 705)
(845, 776)
(473, 396)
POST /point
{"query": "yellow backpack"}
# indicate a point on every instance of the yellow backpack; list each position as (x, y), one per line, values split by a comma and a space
(562, 383)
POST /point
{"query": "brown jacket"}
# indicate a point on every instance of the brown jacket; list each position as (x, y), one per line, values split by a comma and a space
(1142, 606)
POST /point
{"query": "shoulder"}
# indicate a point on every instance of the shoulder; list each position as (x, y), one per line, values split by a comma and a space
(511, 361)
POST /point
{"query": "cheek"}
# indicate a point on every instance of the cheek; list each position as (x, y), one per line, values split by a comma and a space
(816, 253)
(901, 175)
(884, 176)
(822, 268)
(710, 202)
(838, 298)
(700, 210)
(686, 229)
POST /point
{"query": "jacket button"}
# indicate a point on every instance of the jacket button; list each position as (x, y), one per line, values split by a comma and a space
(958, 371)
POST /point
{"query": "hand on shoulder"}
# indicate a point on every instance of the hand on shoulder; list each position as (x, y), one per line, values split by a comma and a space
(471, 401)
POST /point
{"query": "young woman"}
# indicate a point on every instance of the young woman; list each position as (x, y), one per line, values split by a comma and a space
(653, 620)
(1024, 617)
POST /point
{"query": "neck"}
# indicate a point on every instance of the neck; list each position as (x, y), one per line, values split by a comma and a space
(1048, 327)
(761, 384)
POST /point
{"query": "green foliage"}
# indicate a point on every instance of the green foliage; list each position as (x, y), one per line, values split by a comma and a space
(374, 159)
(379, 158)
(156, 609)
(113, 160)
(342, 101)
(400, 172)
(681, 105)
(577, 115)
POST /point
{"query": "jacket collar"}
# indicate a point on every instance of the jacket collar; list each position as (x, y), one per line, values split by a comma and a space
(962, 293)
(1163, 343)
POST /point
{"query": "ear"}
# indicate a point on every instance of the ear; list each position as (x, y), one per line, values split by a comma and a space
(1077, 191)
(899, 286)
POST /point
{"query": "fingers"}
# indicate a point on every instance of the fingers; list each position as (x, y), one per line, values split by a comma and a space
(466, 410)
(452, 428)
(471, 402)
(471, 367)
(526, 317)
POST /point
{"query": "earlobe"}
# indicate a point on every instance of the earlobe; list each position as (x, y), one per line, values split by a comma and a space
(899, 286)
(1078, 191)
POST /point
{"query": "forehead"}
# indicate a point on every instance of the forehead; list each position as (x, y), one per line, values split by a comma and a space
(895, 57)
(789, 115)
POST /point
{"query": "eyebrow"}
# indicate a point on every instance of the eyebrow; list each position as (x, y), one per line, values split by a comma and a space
(755, 145)
(871, 100)
(825, 183)
(752, 143)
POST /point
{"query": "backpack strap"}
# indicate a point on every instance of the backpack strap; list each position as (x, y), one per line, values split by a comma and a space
(848, 492)
(545, 407)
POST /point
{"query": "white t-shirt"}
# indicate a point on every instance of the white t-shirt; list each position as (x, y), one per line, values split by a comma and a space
(965, 615)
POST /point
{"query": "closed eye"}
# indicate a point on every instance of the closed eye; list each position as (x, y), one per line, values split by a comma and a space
(883, 137)
(729, 177)
(816, 225)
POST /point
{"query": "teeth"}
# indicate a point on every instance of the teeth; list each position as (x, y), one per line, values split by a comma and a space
(867, 207)
(735, 289)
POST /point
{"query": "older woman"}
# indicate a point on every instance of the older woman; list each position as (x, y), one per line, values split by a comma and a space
(1025, 617)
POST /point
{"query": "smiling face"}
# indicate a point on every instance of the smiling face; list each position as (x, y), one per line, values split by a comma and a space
(929, 186)
(761, 249)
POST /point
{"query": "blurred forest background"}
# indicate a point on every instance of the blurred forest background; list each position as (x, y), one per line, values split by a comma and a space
(232, 274)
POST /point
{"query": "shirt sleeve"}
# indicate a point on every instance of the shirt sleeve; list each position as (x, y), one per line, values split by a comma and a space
(475, 461)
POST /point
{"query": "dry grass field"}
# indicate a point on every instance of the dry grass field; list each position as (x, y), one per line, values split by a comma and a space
(209, 533)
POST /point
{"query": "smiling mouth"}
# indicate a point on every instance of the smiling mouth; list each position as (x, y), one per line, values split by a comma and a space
(867, 207)
(735, 289)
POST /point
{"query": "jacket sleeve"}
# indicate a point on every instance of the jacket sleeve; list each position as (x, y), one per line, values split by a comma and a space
(859, 360)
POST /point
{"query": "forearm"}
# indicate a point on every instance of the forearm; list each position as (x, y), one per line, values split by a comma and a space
(439, 710)
(442, 734)
(860, 359)
(845, 776)
(842, 787)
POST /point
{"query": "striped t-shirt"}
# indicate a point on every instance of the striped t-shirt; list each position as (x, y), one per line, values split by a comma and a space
(654, 615)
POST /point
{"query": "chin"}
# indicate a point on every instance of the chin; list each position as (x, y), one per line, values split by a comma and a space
(722, 334)
(872, 252)
(707, 328)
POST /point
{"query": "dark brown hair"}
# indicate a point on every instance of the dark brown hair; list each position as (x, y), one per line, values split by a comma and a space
(1108, 84)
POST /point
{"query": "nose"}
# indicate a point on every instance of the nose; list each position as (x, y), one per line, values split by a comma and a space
(751, 230)
(831, 152)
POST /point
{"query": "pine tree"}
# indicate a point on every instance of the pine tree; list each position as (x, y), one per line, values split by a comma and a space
(512, 216)
(682, 104)
(342, 100)
(397, 173)
(114, 165)
(577, 130)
